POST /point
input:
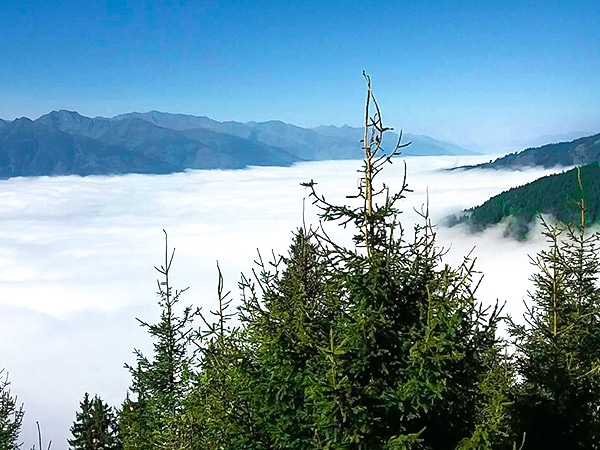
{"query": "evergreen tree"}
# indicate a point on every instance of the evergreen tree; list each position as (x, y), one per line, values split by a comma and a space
(287, 312)
(556, 400)
(162, 382)
(518, 208)
(379, 346)
(133, 428)
(252, 389)
(411, 352)
(11, 416)
(220, 412)
(96, 426)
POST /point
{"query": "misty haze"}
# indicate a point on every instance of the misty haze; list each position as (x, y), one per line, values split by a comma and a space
(77, 257)
(221, 124)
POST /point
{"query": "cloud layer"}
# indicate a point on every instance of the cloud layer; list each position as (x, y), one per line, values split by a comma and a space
(77, 257)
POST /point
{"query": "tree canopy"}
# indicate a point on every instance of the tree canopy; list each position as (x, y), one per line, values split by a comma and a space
(556, 195)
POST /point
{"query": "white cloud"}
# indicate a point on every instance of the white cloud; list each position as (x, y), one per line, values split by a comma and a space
(77, 257)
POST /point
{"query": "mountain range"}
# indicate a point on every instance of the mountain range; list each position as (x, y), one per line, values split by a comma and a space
(66, 142)
(579, 151)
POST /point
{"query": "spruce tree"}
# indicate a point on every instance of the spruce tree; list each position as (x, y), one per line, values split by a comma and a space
(11, 416)
(135, 433)
(96, 426)
(287, 312)
(410, 348)
(221, 408)
(558, 348)
(161, 383)
(378, 346)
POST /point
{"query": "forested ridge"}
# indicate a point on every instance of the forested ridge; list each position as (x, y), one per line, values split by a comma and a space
(377, 345)
(584, 150)
(556, 195)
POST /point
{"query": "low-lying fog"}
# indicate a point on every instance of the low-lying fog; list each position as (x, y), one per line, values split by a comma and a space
(77, 257)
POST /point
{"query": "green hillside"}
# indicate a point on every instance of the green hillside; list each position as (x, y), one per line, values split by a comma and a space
(585, 150)
(554, 194)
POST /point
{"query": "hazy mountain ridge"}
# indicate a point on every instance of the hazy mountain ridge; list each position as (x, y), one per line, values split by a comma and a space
(420, 145)
(583, 150)
(303, 143)
(554, 195)
(545, 139)
(66, 142)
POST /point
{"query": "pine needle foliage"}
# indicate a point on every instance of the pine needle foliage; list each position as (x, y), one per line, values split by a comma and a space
(287, 310)
(96, 426)
(558, 348)
(161, 383)
(219, 409)
(11, 416)
(379, 345)
(410, 348)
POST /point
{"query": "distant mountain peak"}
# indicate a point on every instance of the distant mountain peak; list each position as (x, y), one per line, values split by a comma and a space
(64, 114)
(66, 142)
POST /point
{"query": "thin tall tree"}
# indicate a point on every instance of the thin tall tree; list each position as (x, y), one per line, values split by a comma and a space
(160, 383)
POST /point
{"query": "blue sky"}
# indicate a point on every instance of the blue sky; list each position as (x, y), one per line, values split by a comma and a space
(471, 72)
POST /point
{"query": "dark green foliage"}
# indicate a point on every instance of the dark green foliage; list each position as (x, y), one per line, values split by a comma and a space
(11, 416)
(519, 207)
(580, 151)
(96, 426)
(219, 412)
(287, 314)
(558, 350)
(377, 346)
(161, 383)
(134, 429)
(411, 352)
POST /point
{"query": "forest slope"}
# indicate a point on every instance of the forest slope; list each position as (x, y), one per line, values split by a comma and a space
(584, 150)
(553, 194)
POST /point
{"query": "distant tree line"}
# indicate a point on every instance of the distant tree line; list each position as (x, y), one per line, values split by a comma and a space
(378, 345)
(557, 195)
(580, 151)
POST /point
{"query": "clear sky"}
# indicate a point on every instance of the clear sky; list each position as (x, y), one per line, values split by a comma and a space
(471, 72)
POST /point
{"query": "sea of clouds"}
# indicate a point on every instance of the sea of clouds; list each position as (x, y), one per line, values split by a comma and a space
(77, 257)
